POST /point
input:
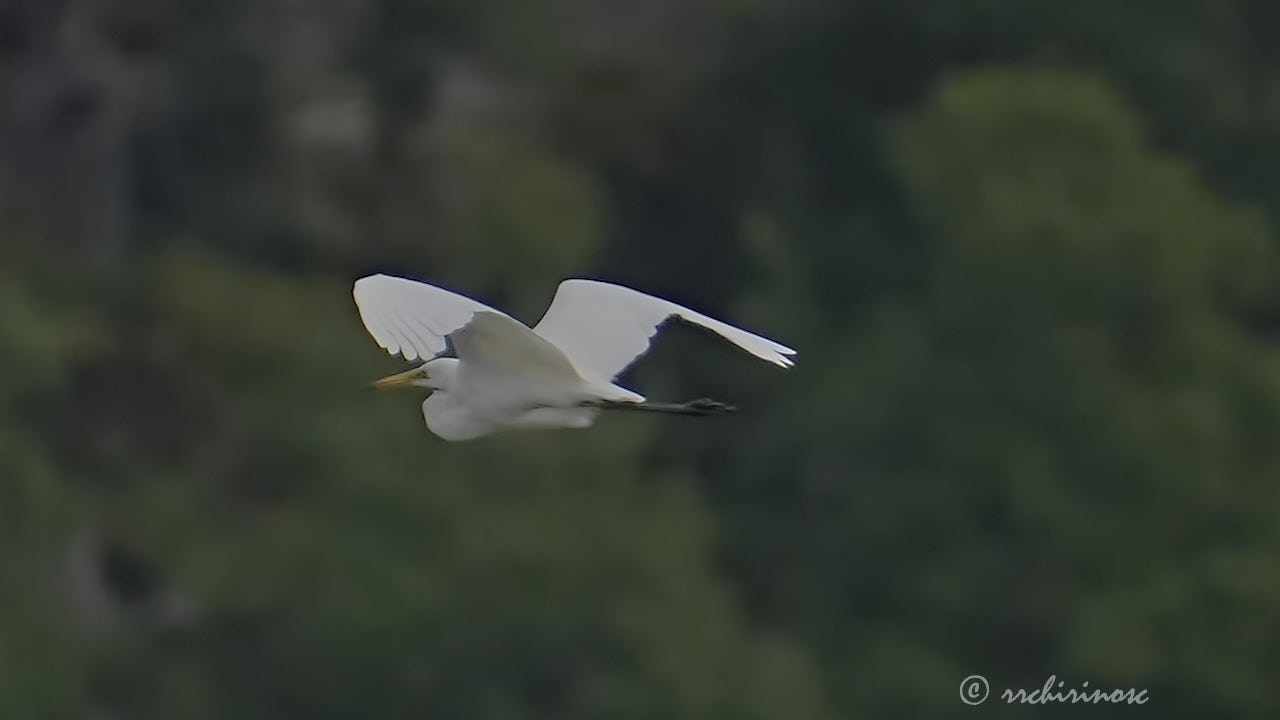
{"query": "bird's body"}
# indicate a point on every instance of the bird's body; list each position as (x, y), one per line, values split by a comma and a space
(510, 378)
(557, 374)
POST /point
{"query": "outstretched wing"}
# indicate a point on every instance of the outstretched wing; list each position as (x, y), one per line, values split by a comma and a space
(494, 345)
(412, 318)
(603, 328)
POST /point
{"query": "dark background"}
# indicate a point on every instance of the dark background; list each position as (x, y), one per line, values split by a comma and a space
(1024, 249)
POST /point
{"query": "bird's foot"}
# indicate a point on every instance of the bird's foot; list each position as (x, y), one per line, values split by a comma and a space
(707, 406)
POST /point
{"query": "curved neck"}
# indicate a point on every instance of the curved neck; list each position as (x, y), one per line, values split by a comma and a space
(441, 373)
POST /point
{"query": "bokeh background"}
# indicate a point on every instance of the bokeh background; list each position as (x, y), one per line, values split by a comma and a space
(1026, 251)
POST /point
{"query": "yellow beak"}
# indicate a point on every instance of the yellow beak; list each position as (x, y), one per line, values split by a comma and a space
(399, 380)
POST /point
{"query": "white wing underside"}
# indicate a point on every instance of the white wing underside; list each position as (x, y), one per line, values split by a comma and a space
(604, 328)
(410, 318)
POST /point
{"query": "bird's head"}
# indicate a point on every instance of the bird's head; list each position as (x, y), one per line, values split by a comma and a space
(435, 375)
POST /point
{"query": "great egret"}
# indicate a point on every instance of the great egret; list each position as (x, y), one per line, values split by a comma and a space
(557, 374)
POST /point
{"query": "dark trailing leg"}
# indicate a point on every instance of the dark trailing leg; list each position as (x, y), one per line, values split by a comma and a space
(697, 408)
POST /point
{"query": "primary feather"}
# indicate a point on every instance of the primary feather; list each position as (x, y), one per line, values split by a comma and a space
(410, 318)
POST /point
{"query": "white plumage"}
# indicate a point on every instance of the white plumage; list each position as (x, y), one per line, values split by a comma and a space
(507, 375)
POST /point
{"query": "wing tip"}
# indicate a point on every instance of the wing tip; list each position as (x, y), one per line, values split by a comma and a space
(388, 341)
(778, 354)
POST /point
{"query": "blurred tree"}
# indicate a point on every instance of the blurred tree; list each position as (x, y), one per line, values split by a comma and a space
(343, 564)
(1045, 462)
(1031, 430)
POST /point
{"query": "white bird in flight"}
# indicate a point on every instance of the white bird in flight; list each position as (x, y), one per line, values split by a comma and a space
(557, 374)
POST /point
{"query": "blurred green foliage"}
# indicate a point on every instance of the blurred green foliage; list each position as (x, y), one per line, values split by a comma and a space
(1025, 251)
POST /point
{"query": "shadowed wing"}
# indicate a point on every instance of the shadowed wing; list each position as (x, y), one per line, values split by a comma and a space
(604, 328)
(412, 318)
(493, 345)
